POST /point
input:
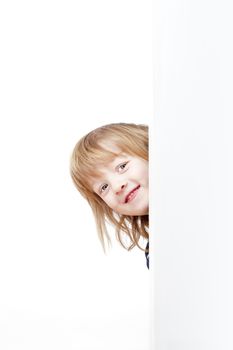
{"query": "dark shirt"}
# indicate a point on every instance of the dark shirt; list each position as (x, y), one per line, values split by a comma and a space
(147, 255)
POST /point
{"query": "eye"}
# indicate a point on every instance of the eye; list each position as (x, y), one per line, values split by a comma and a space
(103, 188)
(122, 166)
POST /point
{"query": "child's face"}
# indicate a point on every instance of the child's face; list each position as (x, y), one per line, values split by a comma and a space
(123, 184)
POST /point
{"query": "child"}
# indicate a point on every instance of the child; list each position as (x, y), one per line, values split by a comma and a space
(109, 167)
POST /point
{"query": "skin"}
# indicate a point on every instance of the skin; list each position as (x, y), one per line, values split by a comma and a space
(123, 184)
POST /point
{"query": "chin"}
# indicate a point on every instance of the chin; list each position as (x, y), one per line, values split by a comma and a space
(143, 210)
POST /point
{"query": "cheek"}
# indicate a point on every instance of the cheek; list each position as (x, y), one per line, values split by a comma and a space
(144, 176)
(111, 203)
(108, 200)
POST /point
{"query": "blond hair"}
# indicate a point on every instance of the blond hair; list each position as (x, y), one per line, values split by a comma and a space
(87, 153)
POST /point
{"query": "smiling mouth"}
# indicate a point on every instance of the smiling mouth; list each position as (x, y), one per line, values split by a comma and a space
(132, 194)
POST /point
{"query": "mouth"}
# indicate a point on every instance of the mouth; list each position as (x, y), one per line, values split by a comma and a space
(132, 194)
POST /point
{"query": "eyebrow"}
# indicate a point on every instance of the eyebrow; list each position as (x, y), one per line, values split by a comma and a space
(116, 161)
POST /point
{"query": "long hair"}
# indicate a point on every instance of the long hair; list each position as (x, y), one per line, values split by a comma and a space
(87, 153)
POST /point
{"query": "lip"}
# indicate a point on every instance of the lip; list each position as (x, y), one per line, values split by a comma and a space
(132, 194)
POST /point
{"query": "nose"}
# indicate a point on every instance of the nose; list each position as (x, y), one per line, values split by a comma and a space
(120, 188)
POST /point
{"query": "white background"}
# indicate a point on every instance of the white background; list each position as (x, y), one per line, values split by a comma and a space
(192, 190)
(67, 67)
